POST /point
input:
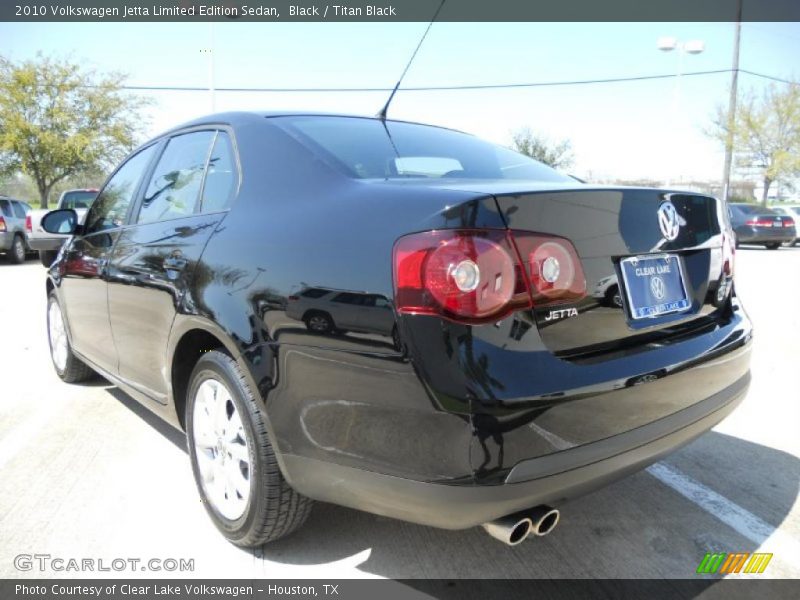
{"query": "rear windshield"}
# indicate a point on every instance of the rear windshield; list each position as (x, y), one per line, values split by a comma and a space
(374, 149)
(751, 209)
(78, 199)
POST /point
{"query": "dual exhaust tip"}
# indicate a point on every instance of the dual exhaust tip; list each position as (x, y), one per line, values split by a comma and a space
(513, 529)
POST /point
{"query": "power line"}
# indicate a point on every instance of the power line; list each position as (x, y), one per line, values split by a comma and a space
(160, 88)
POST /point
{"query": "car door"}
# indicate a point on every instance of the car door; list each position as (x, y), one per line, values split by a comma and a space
(152, 265)
(376, 315)
(85, 258)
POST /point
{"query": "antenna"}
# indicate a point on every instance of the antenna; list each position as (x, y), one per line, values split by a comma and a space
(382, 113)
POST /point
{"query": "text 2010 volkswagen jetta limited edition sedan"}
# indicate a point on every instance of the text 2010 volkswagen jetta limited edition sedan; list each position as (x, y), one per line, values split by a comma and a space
(397, 318)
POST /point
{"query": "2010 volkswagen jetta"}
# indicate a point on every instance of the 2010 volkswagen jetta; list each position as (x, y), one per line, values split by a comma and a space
(397, 318)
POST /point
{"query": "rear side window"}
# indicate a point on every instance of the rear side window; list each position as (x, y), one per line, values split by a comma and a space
(314, 293)
(221, 177)
(77, 199)
(5, 208)
(19, 210)
(174, 188)
(111, 207)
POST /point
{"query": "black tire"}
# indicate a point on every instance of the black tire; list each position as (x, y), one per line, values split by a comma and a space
(46, 257)
(16, 254)
(773, 246)
(613, 297)
(74, 369)
(273, 509)
(319, 322)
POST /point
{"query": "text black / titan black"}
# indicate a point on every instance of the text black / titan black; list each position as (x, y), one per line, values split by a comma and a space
(398, 318)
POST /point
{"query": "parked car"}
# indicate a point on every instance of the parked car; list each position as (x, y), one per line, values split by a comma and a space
(47, 244)
(325, 311)
(507, 391)
(792, 212)
(13, 239)
(754, 224)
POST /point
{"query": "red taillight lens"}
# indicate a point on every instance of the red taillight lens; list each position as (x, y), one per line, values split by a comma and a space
(2, 224)
(467, 275)
(788, 222)
(553, 267)
(28, 225)
(483, 275)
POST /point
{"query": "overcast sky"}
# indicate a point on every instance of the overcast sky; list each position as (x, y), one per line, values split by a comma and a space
(618, 130)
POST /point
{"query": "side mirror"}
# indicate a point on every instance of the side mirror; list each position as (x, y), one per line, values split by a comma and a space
(63, 221)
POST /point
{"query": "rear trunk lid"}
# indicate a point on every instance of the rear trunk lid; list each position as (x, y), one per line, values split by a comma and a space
(625, 238)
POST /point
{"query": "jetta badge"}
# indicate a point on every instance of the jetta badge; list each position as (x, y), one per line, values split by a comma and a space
(669, 220)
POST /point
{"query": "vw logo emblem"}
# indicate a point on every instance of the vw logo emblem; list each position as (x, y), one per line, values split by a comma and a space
(669, 220)
(657, 287)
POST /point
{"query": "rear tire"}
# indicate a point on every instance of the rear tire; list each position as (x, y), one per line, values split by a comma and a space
(773, 246)
(613, 297)
(69, 367)
(319, 322)
(16, 254)
(233, 461)
(47, 257)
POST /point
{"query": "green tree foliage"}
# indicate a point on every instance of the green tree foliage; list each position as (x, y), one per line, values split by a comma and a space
(59, 120)
(556, 154)
(765, 134)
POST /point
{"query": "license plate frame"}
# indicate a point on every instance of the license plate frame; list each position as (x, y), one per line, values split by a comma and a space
(639, 307)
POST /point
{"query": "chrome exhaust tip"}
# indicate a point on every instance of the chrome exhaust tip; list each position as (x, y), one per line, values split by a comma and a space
(511, 530)
(543, 520)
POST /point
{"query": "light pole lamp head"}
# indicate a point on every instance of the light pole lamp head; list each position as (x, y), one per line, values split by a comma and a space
(694, 46)
(667, 43)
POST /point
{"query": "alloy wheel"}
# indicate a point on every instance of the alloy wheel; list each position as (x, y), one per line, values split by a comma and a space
(58, 336)
(222, 449)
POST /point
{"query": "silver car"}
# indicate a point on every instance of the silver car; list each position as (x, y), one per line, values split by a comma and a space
(329, 311)
(13, 239)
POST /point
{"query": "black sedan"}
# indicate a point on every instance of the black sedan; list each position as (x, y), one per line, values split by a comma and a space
(754, 224)
(397, 318)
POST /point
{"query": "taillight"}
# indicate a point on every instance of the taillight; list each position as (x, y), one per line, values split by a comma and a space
(759, 222)
(2, 224)
(483, 275)
(28, 225)
(788, 222)
(553, 267)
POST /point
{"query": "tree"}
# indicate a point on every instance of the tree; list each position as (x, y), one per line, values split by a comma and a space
(556, 154)
(765, 135)
(58, 120)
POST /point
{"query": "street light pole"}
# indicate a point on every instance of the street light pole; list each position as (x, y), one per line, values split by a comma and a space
(729, 134)
(668, 44)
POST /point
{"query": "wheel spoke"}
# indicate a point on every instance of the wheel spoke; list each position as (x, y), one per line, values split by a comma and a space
(221, 449)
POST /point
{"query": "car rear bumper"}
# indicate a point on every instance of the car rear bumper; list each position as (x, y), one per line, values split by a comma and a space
(765, 235)
(46, 243)
(550, 479)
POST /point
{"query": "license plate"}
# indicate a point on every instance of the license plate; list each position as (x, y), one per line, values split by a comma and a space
(654, 285)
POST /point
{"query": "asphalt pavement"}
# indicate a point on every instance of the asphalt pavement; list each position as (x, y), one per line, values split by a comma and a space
(87, 473)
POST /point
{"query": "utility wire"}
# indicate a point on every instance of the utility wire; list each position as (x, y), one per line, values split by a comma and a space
(159, 88)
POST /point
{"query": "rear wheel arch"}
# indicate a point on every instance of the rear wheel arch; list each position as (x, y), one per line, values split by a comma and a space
(187, 350)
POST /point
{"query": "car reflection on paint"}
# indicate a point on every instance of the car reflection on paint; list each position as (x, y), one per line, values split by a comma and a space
(326, 310)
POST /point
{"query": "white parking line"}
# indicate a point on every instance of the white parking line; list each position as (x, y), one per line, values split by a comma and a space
(741, 520)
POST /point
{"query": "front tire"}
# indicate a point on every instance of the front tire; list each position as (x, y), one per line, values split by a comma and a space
(233, 461)
(773, 246)
(68, 367)
(16, 254)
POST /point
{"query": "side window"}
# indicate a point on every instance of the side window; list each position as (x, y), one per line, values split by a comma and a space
(5, 208)
(175, 186)
(19, 210)
(111, 206)
(221, 176)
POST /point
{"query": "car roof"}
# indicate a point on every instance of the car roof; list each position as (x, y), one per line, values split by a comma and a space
(236, 118)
